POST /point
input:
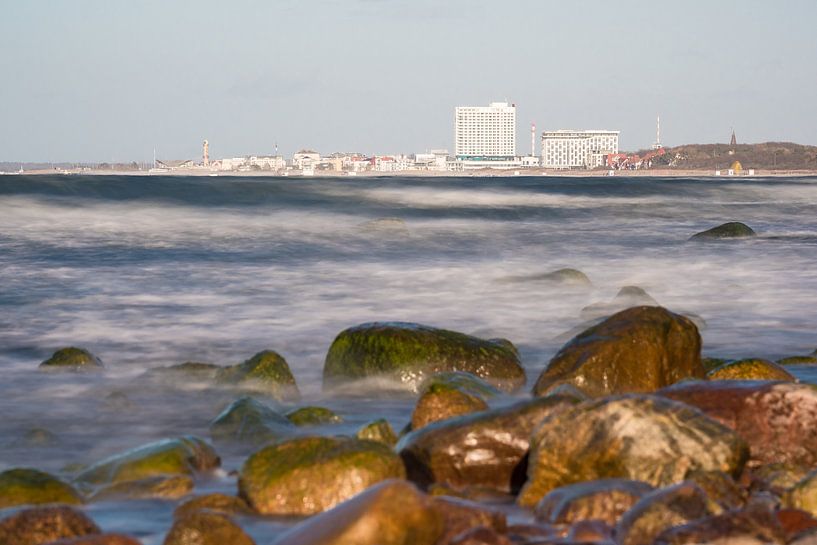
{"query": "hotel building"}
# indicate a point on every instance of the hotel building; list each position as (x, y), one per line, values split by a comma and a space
(577, 149)
(486, 135)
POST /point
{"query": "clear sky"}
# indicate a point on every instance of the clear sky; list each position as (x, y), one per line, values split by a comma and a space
(102, 80)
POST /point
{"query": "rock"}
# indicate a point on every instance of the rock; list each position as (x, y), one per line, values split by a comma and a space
(216, 503)
(168, 487)
(32, 487)
(805, 538)
(803, 495)
(205, 528)
(776, 419)
(248, 421)
(183, 456)
(534, 533)
(118, 401)
(37, 438)
(479, 535)
(308, 475)
(713, 363)
(590, 531)
(604, 500)
(313, 416)
(379, 431)
(40, 525)
(719, 487)
(750, 369)
(72, 359)
(408, 353)
(391, 513)
(759, 526)
(189, 370)
(267, 371)
(800, 360)
(461, 515)
(640, 349)
(733, 229)
(661, 510)
(638, 437)
(795, 522)
(627, 297)
(561, 277)
(776, 478)
(98, 539)
(466, 382)
(441, 401)
(485, 450)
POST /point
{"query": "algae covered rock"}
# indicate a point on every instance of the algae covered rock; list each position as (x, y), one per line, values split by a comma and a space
(466, 382)
(799, 360)
(750, 369)
(627, 297)
(640, 349)
(40, 525)
(379, 431)
(72, 359)
(393, 512)
(441, 401)
(406, 354)
(249, 421)
(637, 437)
(308, 475)
(188, 370)
(169, 487)
(205, 528)
(560, 277)
(31, 487)
(216, 503)
(313, 416)
(732, 229)
(267, 371)
(605, 500)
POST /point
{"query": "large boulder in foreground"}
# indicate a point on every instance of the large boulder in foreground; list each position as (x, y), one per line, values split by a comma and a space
(640, 349)
(776, 419)
(605, 500)
(308, 475)
(406, 354)
(637, 437)
(485, 450)
(391, 513)
(248, 421)
(732, 229)
(31, 487)
(72, 359)
(266, 371)
(40, 525)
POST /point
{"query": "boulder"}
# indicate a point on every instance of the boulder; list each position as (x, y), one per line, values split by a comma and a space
(733, 229)
(313, 416)
(750, 369)
(248, 421)
(800, 360)
(627, 297)
(308, 475)
(441, 401)
(640, 349)
(486, 450)
(466, 382)
(31, 487)
(40, 525)
(205, 528)
(639, 437)
(803, 495)
(710, 363)
(605, 500)
(720, 488)
(795, 522)
(776, 419)
(460, 515)
(405, 354)
(393, 512)
(562, 278)
(379, 431)
(266, 371)
(168, 487)
(98, 539)
(72, 359)
(750, 526)
(216, 503)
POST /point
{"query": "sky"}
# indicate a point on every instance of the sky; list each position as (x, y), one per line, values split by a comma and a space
(112, 80)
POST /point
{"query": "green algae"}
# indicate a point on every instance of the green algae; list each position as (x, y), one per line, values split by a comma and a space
(24, 486)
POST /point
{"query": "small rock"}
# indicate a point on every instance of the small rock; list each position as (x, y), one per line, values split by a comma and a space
(72, 359)
(440, 401)
(803, 495)
(795, 522)
(561, 277)
(217, 503)
(466, 382)
(266, 371)
(98, 539)
(605, 500)
(189, 370)
(379, 431)
(750, 369)
(313, 416)
(37, 438)
(719, 487)
(733, 229)
(479, 535)
(118, 401)
(170, 487)
(41, 525)
(759, 526)
(32, 487)
(460, 515)
(248, 421)
(204, 528)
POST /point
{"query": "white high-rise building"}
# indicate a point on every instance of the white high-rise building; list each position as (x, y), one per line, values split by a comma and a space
(577, 149)
(486, 133)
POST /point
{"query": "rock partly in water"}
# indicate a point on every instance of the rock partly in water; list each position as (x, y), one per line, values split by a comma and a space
(98, 539)
(313, 416)
(205, 528)
(167, 487)
(441, 401)
(248, 421)
(72, 359)
(561, 278)
(216, 503)
(640, 349)
(627, 297)
(379, 431)
(308, 475)
(118, 401)
(189, 370)
(605, 500)
(32, 487)
(746, 527)
(800, 360)
(466, 382)
(40, 525)
(266, 371)
(638, 437)
(406, 354)
(460, 515)
(732, 229)
(486, 450)
(391, 513)
(36, 438)
(711, 363)
(750, 369)
(720, 488)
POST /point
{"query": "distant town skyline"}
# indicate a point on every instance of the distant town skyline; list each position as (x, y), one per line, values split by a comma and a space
(111, 80)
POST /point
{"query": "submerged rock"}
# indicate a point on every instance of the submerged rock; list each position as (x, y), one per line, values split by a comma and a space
(267, 371)
(188, 370)
(169, 487)
(216, 503)
(605, 500)
(627, 297)
(72, 359)
(391, 513)
(640, 349)
(249, 421)
(40, 525)
(408, 353)
(308, 475)
(637, 437)
(31, 487)
(206, 529)
(441, 401)
(561, 277)
(800, 360)
(36, 438)
(379, 431)
(733, 229)
(313, 416)
(750, 369)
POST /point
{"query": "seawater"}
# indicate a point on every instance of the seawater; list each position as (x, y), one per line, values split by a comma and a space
(153, 271)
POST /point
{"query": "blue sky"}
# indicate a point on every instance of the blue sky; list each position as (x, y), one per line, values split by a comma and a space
(102, 80)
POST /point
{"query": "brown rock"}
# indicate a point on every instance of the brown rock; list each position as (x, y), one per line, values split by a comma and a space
(720, 488)
(206, 529)
(479, 535)
(750, 369)
(590, 531)
(747, 526)
(217, 503)
(442, 401)
(100, 539)
(795, 522)
(461, 515)
(169, 487)
(604, 500)
(41, 525)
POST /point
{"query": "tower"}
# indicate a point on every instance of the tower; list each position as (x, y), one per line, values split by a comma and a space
(206, 153)
(533, 139)
(657, 144)
(734, 141)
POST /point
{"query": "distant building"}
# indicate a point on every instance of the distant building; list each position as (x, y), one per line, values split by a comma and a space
(577, 149)
(486, 134)
(305, 159)
(267, 162)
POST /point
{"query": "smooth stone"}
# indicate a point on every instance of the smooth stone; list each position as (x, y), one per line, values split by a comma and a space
(795, 523)
(604, 499)
(170, 487)
(638, 437)
(753, 525)
(379, 431)
(720, 488)
(750, 369)
(479, 535)
(204, 528)
(460, 515)
(440, 401)
(216, 503)
(313, 416)
(40, 525)
(640, 349)
(561, 277)
(72, 359)
(248, 421)
(800, 360)
(732, 229)
(266, 371)
(803, 495)
(466, 382)
(32, 487)
(627, 297)
(188, 370)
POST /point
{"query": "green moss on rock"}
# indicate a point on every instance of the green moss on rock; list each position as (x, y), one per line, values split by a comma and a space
(40, 525)
(313, 416)
(379, 431)
(72, 359)
(31, 487)
(750, 369)
(440, 401)
(267, 371)
(205, 528)
(249, 421)
(169, 487)
(732, 229)
(215, 503)
(466, 382)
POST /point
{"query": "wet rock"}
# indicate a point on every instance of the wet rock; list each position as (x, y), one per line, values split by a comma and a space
(391, 513)
(661, 510)
(41, 525)
(712, 363)
(750, 369)
(168, 487)
(183, 456)
(719, 487)
(487, 450)
(800, 360)
(605, 500)
(216, 503)
(733, 229)
(795, 522)
(776, 419)
(460, 515)
(36, 438)
(204, 528)
(441, 401)
(248, 421)
(72, 359)
(313, 416)
(776, 478)
(32, 487)
(753, 525)
(379, 431)
(479, 535)
(638, 437)
(308, 475)
(118, 401)
(466, 382)
(803, 495)
(408, 353)
(590, 531)
(189, 370)
(640, 349)
(266, 371)
(627, 297)
(561, 277)
(534, 533)
(98, 539)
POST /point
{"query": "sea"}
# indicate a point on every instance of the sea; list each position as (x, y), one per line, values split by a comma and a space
(147, 272)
